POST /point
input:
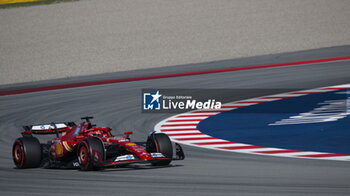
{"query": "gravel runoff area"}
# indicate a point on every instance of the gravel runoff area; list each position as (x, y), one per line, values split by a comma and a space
(91, 36)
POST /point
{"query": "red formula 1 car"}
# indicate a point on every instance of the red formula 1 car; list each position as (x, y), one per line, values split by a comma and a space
(88, 147)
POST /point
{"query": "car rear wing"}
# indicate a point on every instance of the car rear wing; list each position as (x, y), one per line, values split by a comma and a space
(52, 128)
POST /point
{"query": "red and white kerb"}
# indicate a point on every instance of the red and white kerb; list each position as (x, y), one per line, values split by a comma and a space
(182, 128)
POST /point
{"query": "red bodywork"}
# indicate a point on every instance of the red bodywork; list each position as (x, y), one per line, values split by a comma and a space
(65, 147)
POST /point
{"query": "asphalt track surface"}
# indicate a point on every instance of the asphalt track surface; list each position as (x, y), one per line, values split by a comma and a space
(204, 172)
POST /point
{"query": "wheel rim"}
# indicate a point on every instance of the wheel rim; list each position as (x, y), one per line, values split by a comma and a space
(18, 153)
(83, 155)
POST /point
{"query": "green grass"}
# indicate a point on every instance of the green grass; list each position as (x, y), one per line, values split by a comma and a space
(43, 2)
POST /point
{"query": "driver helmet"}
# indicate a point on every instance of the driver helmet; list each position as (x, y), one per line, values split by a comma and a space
(96, 133)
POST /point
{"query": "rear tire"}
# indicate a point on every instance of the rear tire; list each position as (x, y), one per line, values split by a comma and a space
(26, 152)
(160, 142)
(91, 154)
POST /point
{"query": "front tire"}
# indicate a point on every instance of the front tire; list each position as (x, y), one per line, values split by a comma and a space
(160, 142)
(91, 154)
(26, 152)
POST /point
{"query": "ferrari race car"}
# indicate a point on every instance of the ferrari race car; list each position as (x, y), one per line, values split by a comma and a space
(88, 147)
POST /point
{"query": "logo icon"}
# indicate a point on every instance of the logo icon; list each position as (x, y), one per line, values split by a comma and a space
(151, 101)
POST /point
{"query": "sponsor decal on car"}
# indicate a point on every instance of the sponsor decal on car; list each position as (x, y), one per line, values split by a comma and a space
(157, 155)
(59, 150)
(48, 127)
(125, 157)
(67, 147)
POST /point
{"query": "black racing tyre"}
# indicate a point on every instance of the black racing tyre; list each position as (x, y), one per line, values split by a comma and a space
(26, 152)
(160, 142)
(91, 154)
